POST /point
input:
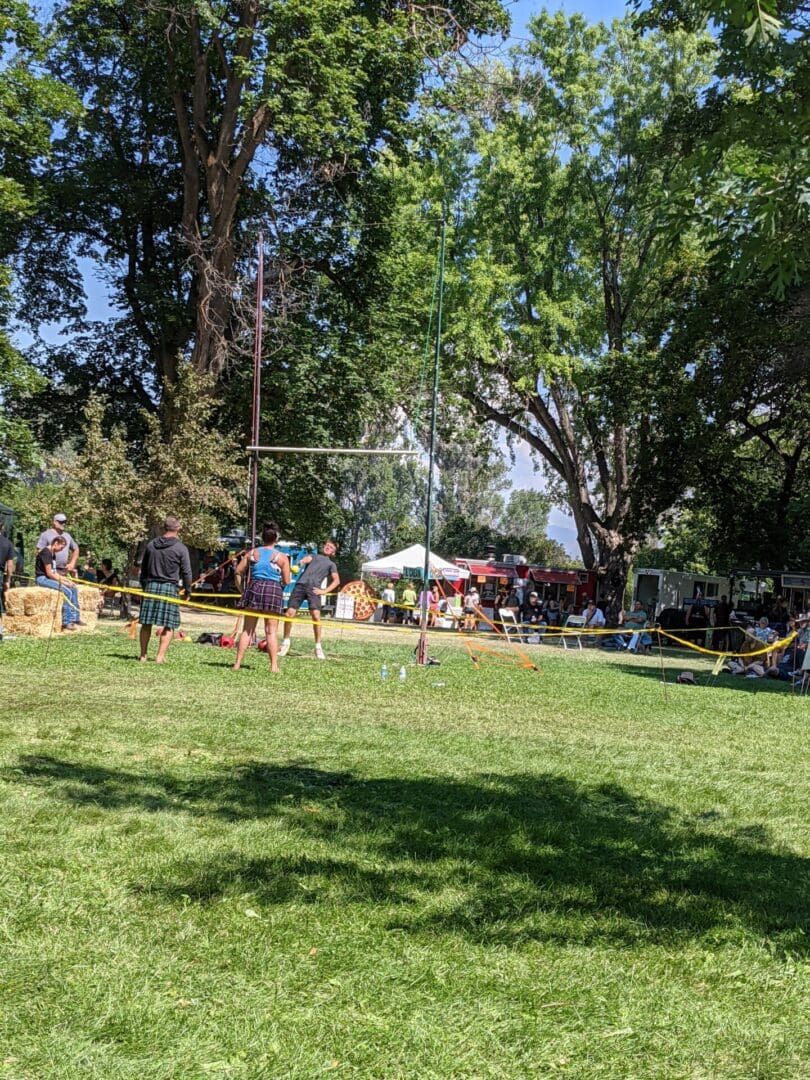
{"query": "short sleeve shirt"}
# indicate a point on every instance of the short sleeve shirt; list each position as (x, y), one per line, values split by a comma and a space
(7, 551)
(321, 567)
(595, 619)
(61, 558)
(45, 558)
(635, 620)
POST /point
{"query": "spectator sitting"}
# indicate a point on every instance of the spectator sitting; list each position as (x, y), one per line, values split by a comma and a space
(594, 620)
(531, 614)
(764, 632)
(513, 601)
(48, 577)
(89, 572)
(552, 611)
(107, 576)
(635, 619)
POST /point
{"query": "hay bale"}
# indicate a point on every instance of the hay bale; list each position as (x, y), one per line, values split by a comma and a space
(88, 605)
(33, 611)
(40, 601)
(30, 611)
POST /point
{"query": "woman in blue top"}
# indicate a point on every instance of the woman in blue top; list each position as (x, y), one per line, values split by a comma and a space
(268, 572)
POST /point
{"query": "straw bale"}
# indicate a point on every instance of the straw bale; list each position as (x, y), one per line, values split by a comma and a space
(88, 602)
(41, 601)
(34, 611)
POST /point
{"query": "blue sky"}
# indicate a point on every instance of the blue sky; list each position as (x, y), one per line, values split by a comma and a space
(522, 10)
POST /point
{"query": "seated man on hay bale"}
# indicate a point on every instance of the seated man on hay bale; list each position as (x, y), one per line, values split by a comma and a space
(165, 561)
(48, 577)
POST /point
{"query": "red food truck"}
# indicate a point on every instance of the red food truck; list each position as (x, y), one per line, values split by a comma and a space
(490, 576)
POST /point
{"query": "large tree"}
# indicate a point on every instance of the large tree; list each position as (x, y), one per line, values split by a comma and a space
(563, 287)
(204, 119)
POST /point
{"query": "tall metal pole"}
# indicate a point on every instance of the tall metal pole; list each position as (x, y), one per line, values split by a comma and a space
(422, 648)
(253, 498)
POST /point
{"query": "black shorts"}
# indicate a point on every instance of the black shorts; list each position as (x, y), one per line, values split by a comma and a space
(301, 593)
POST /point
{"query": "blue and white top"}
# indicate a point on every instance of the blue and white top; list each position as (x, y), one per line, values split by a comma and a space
(263, 568)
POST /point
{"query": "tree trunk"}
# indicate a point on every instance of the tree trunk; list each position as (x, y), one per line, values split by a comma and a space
(614, 567)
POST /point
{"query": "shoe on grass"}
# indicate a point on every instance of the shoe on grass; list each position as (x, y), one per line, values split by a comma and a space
(319, 653)
(284, 647)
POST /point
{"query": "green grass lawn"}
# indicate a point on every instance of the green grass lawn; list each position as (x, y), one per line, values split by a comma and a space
(478, 873)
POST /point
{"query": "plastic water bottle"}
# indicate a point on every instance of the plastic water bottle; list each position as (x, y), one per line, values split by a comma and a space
(384, 672)
(403, 674)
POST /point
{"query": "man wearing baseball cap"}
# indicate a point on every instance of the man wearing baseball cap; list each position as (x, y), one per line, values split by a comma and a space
(65, 560)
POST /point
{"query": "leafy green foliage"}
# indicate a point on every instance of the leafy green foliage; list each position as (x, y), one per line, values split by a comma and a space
(563, 287)
(749, 155)
(185, 468)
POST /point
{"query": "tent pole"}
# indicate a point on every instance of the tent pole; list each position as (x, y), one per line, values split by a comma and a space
(422, 647)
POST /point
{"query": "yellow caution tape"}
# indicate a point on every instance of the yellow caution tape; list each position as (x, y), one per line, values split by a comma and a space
(543, 631)
(774, 646)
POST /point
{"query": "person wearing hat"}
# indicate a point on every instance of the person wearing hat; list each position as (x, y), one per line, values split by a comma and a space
(165, 561)
(531, 614)
(68, 556)
(594, 620)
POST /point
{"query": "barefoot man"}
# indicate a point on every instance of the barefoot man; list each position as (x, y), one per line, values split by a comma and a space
(165, 562)
(308, 587)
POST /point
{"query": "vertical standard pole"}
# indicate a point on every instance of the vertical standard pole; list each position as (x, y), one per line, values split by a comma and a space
(253, 496)
(422, 648)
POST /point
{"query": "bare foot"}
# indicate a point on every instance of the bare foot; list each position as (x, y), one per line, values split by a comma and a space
(142, 659)
(274, 671)
(236, 667)
(159, 661)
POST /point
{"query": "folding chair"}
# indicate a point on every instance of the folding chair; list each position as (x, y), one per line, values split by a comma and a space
(573, 622)
(509, 623)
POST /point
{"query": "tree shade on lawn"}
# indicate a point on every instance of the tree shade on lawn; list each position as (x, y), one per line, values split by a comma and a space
(505, 874)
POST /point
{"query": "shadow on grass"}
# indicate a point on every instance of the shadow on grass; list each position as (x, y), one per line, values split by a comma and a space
(501, 858)
(723, 681)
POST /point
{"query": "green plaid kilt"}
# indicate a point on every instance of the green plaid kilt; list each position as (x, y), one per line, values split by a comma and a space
(157, 612)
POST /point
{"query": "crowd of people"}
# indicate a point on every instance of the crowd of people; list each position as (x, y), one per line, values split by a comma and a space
(262, 573)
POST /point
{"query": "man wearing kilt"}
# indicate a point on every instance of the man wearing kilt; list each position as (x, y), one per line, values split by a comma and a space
(164, 563)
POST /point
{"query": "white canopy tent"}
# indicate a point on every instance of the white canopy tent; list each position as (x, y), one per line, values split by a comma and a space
(403, 563)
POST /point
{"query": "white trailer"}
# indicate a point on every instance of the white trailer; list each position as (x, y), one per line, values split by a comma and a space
(659, 589)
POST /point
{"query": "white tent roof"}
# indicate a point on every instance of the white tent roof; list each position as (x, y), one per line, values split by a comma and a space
(413, 556)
